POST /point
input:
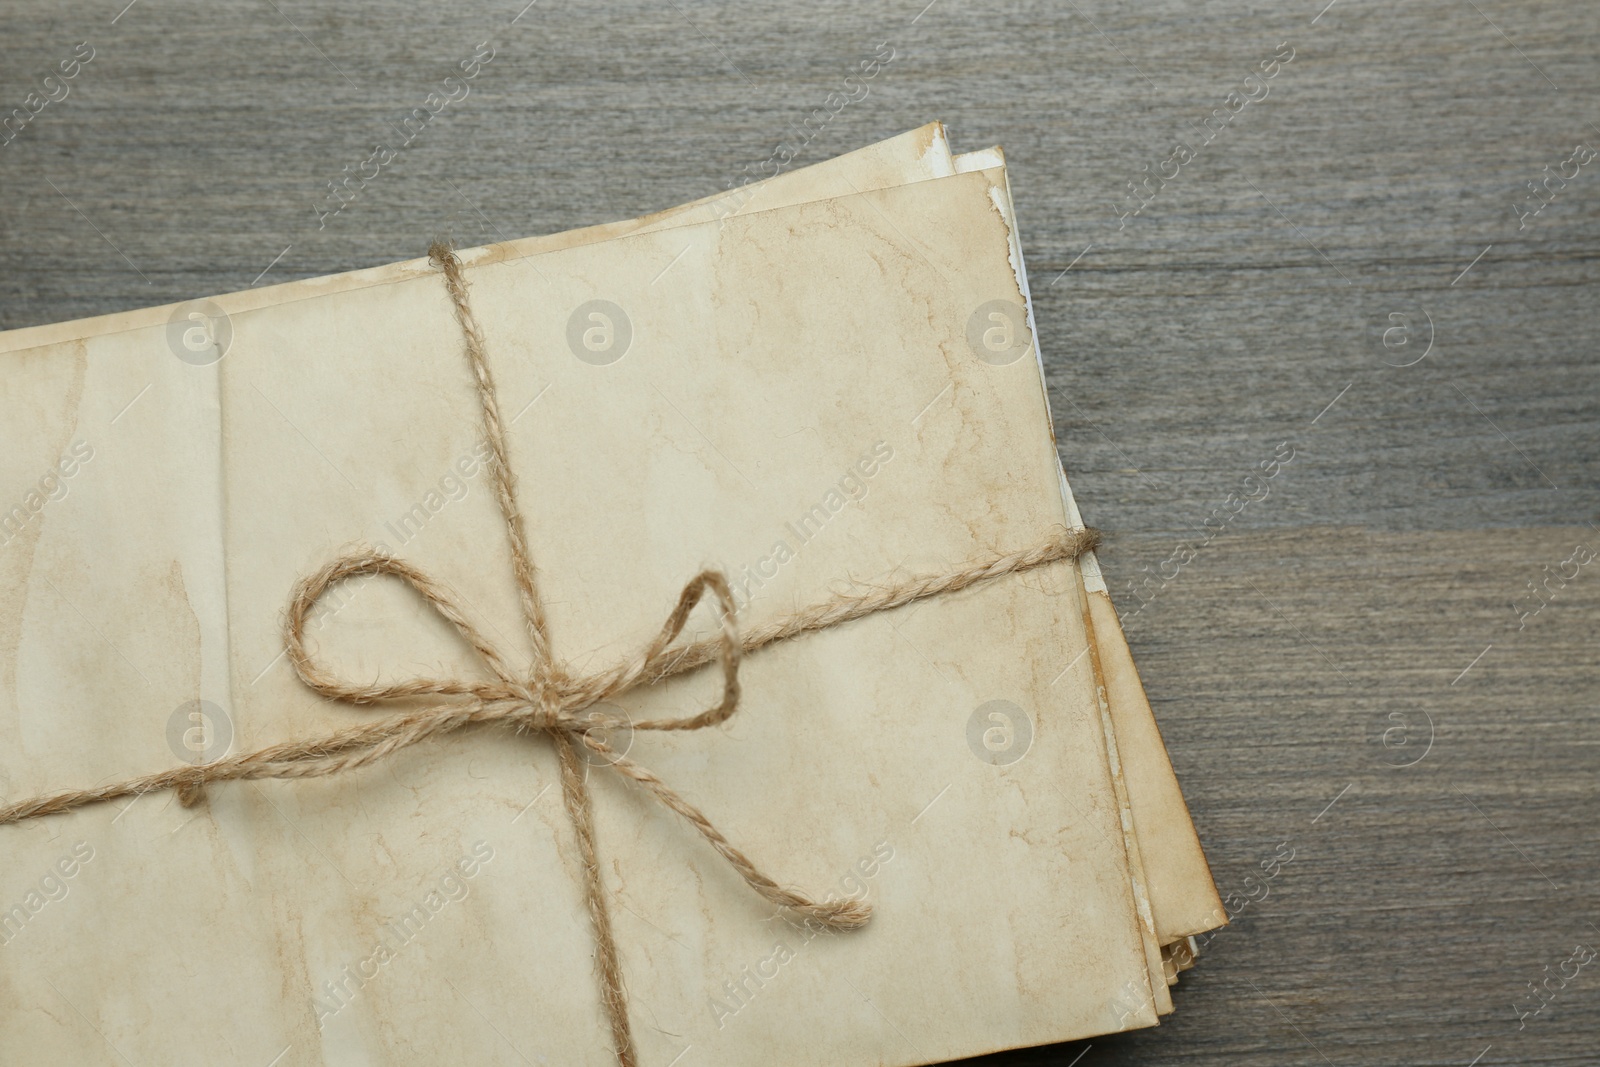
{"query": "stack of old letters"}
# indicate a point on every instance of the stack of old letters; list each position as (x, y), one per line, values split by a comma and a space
(824, 387)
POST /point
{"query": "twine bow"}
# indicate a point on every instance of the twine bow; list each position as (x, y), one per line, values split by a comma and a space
(549, 699)
(554, 702)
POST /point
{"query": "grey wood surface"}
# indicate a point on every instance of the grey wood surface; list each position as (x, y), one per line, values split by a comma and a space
(1340, 668)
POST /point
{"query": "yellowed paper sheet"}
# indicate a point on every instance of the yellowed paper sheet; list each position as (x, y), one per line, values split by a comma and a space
(918, 155)
(915, 156)
(1004, 917)
(1183, 896)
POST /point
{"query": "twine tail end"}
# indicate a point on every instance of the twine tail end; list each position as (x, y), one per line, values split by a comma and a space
(845, 914)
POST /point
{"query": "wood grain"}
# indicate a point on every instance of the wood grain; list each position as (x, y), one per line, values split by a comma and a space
(1182, 347)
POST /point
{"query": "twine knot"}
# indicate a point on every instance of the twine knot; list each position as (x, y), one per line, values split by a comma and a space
(542, 707)
(548, 699)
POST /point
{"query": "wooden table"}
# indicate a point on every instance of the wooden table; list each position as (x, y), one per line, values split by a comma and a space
(1345, 667)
